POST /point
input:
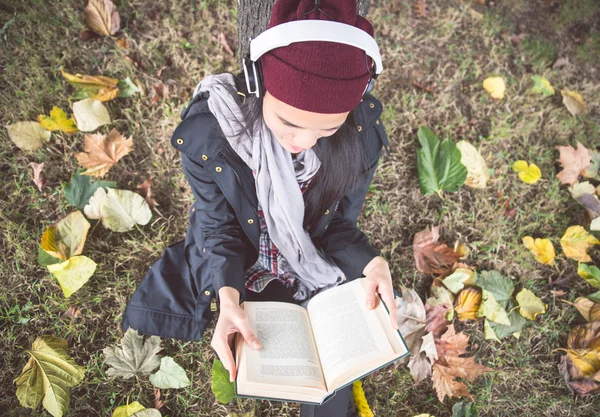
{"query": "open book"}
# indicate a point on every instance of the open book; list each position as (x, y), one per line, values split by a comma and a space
(309, 354)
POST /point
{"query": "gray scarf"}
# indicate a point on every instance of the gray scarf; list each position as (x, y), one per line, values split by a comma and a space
(276, 187)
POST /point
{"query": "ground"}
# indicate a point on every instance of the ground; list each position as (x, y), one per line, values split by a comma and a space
(434, 68)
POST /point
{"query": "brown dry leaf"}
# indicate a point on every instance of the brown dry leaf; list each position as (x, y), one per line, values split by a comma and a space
(451, 365)
(160, 91)
(158, 403)
(102, 17)
(588, 309)
(421, 8)
(573, 101)
(574, 162)
(72, 313)
(585, 336)
(38, 177)
(102, 152)
(123, 43)
(558, 293)
(436, 319)
(145, 190)
(432, 256)
(223, 41)
(581, 366)
(467, 303)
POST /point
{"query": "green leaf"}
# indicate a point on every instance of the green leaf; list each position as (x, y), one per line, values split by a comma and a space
(439, 164)
(517, 322)
(463, 409)
(497, 284)
(221, 387)
(45, 259)
(127, 88)
(73, 273)
(134, 357)
(128, 409)
(595, 297)
(48, 375)
(542, 86)
(80, 189)
(170, 375)
(455, 281)
(590, 273)
(119, 210)
(491, 309)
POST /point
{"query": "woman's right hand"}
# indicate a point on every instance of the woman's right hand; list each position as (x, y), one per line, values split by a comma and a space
(232, 319)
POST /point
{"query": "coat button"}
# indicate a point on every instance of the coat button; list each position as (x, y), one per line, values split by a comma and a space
(371, 105)
(326, 211)
(218, 169)
(179, 141)
(204, 158)
(377, 122)
(193, 208)
(250, 221)
(359, 128)
(203, 249)
(206, 292)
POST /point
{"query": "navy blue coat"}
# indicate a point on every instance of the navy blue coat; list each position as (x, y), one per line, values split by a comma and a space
(174, 298)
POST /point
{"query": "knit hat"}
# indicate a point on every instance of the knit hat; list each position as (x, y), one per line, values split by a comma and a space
(317, 76)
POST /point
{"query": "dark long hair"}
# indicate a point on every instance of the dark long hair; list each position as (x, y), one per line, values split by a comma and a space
(342, 156)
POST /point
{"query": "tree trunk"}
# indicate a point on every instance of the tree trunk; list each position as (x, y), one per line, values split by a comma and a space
(254, 16)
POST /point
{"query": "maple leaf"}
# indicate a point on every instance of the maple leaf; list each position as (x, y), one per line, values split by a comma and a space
(432, 256)
(102, 152)
(102, 17)
(451, 365)
(134, 357)
(574, 162)
(57, 121)
(436, 319)
(160, 91)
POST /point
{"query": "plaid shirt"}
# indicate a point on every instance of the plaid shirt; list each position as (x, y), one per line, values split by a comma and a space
(271, 263)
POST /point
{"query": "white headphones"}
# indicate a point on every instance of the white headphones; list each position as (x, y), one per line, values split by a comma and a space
(306, 31)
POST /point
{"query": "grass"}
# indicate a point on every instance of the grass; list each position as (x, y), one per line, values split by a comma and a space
(451, 50)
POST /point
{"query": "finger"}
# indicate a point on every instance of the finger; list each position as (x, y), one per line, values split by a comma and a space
(387, 293)
(223, 351)
(248, 336)
(371, 290)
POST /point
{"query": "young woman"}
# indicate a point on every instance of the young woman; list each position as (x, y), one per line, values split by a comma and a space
(279, 181)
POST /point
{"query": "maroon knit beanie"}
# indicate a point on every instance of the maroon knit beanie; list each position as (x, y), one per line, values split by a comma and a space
(317, 76)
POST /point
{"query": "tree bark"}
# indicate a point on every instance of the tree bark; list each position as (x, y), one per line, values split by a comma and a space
(254, 16)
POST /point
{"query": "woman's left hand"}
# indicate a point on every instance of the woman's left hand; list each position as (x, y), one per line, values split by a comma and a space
(379, 281)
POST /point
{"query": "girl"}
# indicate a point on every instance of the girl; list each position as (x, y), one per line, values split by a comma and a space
(279, 179)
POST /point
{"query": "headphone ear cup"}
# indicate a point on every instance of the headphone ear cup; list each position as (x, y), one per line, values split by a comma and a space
(370, 86)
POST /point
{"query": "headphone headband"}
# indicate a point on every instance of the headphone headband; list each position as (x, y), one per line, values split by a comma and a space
(315, 30)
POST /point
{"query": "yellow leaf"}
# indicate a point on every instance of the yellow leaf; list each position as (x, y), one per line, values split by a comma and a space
(119, 210)
(531, 306)
(488, 331)
(581, 188)
(477, 171)
(73, 273)
(528, 173)
(491, 309)
(495, 86)
(90, 114)
(588, 309)
(574, 102)
(128, 409)
(102, 152)
(542, 249)
(28, 136)
(585, 361)
(57, 121)
(360, 400)
(66, 237)
(467, 303)
(576, 242)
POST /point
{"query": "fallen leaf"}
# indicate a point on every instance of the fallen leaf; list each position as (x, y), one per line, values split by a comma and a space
(119, 210)
(90, 114)
(148, 412)
(438, 164)
(161, 91)
(102, 17)
(531, 305)
(421, 8)
(134, 357)
(579, 189)
(467, 303)
(127, 88)
(57, 121)
(585, 336)
(528, 173)
(436, 319)
(128, 409)
(145, 190)
(582, 343)
(441, 295)
(517, 322)
(360, 400)
(574, 162)
(48, 375)
(432, 256)
(158, 403)
(488, 331)
(456, 281)
(102, 152)
(123, 43)
(79, 191)
(477, 171)
(464, 409)
(542, 86)
(221, 387)
(66, 237)
(38, 177)
(595, 224)
(71, 313)
(542, 249)
(95, 87)
(223, 41)
(169, 375)
(573, 101)
(593, 170)
(73, 273)
(452, 365)
(576, 242)
(28, 136)
(589, 309)
(498, 285)
(495, 86)
(491, 309)
(590, 273)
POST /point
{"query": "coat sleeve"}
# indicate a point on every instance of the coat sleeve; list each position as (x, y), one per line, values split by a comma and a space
(223, 237)
(343, 241)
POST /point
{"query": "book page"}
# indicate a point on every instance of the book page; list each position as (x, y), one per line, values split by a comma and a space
(349, 337)
(289, 354)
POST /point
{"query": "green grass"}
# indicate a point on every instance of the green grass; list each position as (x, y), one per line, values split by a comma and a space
(450, 50)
